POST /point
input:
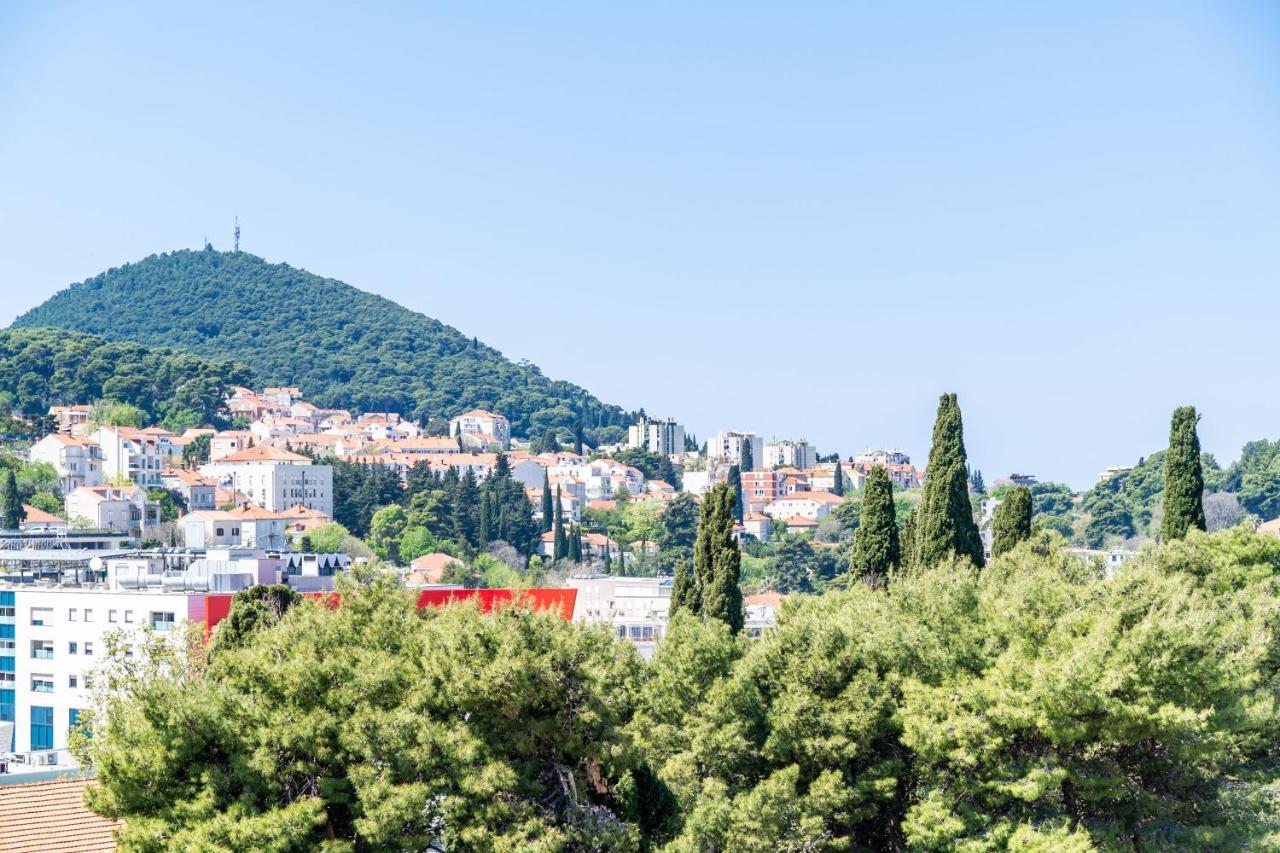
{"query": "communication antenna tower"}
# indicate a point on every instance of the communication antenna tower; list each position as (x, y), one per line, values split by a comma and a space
(237, 235)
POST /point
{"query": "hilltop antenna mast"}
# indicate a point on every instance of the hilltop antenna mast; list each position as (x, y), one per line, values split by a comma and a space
(237, 234)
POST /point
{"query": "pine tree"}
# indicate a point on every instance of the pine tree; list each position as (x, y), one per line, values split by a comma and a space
(837, 484)
(11, 502)
(735, 491)
(548, 506)
(945, 522)
(680, 587)
(876, 547)
(559, 546)
(1012, 522)
(1183, 477)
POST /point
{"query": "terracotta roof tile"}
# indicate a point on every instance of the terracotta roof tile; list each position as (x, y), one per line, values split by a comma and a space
(40, 816)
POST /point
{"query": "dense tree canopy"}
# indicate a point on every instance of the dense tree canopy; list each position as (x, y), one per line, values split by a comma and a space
(340, 345)
(43, 367)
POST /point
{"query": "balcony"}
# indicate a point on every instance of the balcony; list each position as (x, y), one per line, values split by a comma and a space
(42, 654)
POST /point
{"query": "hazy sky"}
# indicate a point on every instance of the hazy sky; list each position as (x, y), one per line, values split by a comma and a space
(802, 219)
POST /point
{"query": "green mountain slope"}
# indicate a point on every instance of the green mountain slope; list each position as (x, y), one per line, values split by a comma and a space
(43, 367)
(341, 346)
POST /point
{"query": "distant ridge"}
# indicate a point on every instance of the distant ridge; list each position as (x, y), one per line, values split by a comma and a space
(340, 345)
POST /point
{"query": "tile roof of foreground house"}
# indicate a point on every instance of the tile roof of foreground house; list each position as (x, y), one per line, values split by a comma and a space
(51, 815)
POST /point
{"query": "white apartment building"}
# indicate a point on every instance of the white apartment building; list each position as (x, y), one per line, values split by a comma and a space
(727, 447)
(792, 454)
(479, 429)
(882, 457)
(123, 509)
(78, 461)
(132, 454)
(275, 479)
(636, 608)
(227, 442)
(814, 506)
(663, 437)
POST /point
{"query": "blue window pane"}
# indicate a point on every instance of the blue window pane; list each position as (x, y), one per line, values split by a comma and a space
(6, 599)
(8, 631)
(6, 664)
(41, 727)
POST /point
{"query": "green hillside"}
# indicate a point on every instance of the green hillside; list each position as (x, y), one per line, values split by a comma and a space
(341, 346)
(43, 367)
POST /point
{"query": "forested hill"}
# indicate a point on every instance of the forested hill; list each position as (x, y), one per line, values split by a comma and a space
(340, 345)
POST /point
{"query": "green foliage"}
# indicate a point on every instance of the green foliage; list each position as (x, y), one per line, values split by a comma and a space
(1183, 479)
(111, 413)
(716, 591)
(654, 466)
(877, 549)
(795, 565)
(47, 502)
(252, 610)
(1012, 522)
(170, 508)
(42, 367)
(837, 487)
(328, 538)
(196, 453)
(944, 522)
(12, 512)
(378, 726)
(341, 346)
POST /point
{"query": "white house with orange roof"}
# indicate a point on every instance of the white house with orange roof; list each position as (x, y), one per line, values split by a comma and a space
(70, 417)
(197, 491)
(813, 506)
(275, 479)
(227, 442)
(482, 428)
(39, 521)
(130, 453)
(78, 461)
(124, 509)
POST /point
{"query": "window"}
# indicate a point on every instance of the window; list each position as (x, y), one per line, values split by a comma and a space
(111, 616)
(42, 616)
(42, 649)
(71, 614)
(42, 684)
(72, 647)
(88, 614)
(41, 727)
(73, 681)
(73, 718)
(128, 616)
(7, 637)
(88, 648)
(162, 621)
(217, 531)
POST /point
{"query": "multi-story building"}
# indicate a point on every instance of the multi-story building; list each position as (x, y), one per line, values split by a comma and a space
(130, 454)
(275, 479)
(813, 506)
(227, 442)
(790, 454)
(479, 429)
(122, 509)
(197, 491)
(70, 417)
(728, 447)
(78, 461)
(760, 488)
(636, 608)
(663, 437)
(882, 457)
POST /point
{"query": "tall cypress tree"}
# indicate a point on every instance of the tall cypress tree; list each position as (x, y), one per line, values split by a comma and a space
(907, 537)
(577, 438)
(1012, 522)
(575, 544)
(722, 595)
(837, 483)
(1183, 477)
(10, 501)
(876, 548)
(945, 522)
(746, 462)
(703, 548)
(734, 483)
(680, 587)
(558, 542)
(548, 506)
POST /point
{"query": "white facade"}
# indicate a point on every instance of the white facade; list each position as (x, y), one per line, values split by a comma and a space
(124, 509)
(811, 505)
(663, 437)
(636, 608)
(727, 446)
(77, 461)
(478, 422)
(793, 454)
(131, 454)
(882, 457)
(275, 479)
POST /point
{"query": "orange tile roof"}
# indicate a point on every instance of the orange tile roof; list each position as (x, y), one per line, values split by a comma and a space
(818, 497)
(40, 816)
(253, 512)
(39, 516)
(264, 453)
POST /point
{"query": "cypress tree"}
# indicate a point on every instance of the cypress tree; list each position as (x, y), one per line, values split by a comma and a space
(945, 522)
(979, 485)
(550, 444)
(722, 595)
(548, 507)
(745, 461)
(703, 549)
(735, 491)
(1012, 522)
(575, 544)
(837, 484)
(577, 438)
(876, 547)
(680, 587)
(907, 537)
(558, 543)
(1183, 477)
(10, 501)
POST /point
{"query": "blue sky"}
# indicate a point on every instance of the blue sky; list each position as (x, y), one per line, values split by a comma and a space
(803, 219)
